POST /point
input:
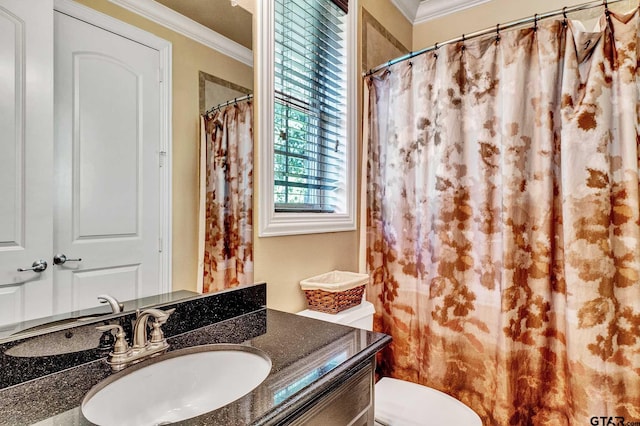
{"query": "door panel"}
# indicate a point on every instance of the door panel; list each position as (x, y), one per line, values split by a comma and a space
(103, 175)
(10, 304)
(26, 141)
(107, 175)
(106, 192)
(11, 125)
(124, 281)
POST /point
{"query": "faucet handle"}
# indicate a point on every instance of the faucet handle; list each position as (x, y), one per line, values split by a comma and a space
(159, 315)
(156, 335)
(166, 316)
(120, 346)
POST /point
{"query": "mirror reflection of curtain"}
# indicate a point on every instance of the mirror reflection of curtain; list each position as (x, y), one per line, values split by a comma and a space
(226, 256)
(503, 230)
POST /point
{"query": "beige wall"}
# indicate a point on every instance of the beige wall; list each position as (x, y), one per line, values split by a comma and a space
(378, 44)
(189, 57)
(283, 261)
(489, 14)
(391, 19)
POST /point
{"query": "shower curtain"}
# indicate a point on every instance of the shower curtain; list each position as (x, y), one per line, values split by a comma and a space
(502, 221)
(226, 258)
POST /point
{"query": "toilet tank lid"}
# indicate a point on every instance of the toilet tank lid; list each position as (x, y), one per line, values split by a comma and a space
(348, 316)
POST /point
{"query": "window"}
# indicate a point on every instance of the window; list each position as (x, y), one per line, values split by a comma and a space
(307, 110)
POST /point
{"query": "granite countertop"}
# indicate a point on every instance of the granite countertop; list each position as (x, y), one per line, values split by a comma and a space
(308, 357)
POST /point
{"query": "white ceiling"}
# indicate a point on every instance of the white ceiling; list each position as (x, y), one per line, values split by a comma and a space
(417, 11)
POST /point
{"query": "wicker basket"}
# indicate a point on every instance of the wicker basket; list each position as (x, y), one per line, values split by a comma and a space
(334, 291)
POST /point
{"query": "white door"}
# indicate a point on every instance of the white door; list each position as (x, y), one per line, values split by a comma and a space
(107, 170)
(26, 150)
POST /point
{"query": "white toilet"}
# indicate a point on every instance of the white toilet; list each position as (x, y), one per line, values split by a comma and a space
(401, 403)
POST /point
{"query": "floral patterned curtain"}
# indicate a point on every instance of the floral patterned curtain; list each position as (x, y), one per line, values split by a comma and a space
(503, 233)
(228, 232)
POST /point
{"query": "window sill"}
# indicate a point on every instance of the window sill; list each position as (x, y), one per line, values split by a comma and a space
(281, 224)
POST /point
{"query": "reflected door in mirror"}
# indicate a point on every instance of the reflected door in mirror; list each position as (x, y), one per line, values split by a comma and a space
(26, 151)
(107, 174)
(92, 191)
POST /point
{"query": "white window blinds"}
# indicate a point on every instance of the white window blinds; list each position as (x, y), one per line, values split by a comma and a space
(310, 106)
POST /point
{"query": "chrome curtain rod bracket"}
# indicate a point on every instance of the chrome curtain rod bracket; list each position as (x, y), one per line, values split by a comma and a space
(502, 27)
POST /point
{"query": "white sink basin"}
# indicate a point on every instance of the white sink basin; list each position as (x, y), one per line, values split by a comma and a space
(176, 386)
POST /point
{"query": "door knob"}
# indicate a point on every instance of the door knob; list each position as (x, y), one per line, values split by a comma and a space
(37, 266)
(61, 259)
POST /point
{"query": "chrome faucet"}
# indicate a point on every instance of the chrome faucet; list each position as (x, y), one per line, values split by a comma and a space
(116, 307)
(122, 355)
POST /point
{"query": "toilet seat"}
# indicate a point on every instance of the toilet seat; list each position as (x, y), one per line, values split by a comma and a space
(400, 403)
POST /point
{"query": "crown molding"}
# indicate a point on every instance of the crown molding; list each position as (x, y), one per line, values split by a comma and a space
(432, 9)
(408, 8)
(173, 20)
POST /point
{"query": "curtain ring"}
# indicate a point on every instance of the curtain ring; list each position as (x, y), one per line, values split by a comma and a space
(388, 71)
(463, 45)
(498, 33)
(535, 22)
(565, 21)
(606, 8)
(435, 50)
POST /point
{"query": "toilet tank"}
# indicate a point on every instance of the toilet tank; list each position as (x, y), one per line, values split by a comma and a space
(360, 316)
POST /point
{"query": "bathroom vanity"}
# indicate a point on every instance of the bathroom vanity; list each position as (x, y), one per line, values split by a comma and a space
(321, 373)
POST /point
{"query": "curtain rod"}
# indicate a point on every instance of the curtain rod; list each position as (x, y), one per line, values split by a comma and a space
(234, 101)
(497, 29)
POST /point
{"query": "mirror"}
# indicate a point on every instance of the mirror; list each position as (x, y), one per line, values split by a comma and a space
(197, 72)
(74, 318)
